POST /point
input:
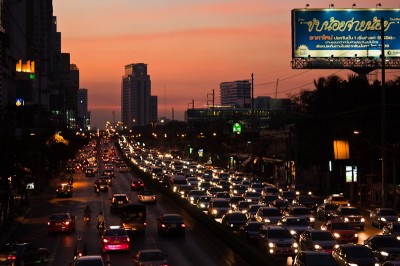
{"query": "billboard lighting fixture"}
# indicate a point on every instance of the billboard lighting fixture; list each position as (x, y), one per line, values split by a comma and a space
(307, 5)
(353, 5)
(331, 5)
(378, 4)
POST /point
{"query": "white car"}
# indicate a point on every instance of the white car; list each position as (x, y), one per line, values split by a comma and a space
(146, 196)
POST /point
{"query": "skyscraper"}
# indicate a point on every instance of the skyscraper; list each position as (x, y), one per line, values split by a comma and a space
(135, 96)
(83, 118)
(236, 93)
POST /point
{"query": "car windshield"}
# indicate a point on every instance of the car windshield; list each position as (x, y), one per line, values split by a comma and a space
(341, 226)
(331, 207)
(386, 242)
(221, 204)
(115, 232)
(59, 217)
(297, 221)
(120, 198)
(237, 217)
(147, 193)
(254, 226)
(173, 218)
(151, 256)
(388, 213)
(350, 211)
(301, 211)
(279, 234)
(87, 262)
(325, 235)
(319, 259)
(358, 252)
(271, 212)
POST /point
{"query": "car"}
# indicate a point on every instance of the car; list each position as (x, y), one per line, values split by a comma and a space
(137, 185)
(123, 168)
(296, 225)
(380, 217)
(268, 199)
(22, 253)
(268, 215)
(251, 211)
(337, 199)
(351, 215)
(234, 220)
(61, 222)
(392, 229)
(90, 171)
(317, 240)
(133, 218)
(101, 184)
(392, 263)
(277, 241)
(300, 211)
(184, 190)
(288, 195)
(238, 190)
(146, 196)
(150, 257)
(252, 196)
(326, 211)
(171, 223)
(115, 238)
(250, 230)
(217, 207)
(354, 254)
(203, 202)
(385, 247)
(64, 190)
(312, 258)
(342, 231)
(118, 201)
(281, 204)
(234, 201)
(194, 195)
(90, 260)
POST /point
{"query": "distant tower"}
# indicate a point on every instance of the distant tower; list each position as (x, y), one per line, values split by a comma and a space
(83, 117)
(236, 93)
(135, 96)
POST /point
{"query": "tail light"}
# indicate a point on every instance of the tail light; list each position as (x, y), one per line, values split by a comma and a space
(105, 240)
(163, 225)
(67, 223)
(183, 225)
(11, 257)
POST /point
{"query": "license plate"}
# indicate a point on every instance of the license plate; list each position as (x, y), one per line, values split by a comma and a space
(173, 225)
(58, 224)
(116, 242)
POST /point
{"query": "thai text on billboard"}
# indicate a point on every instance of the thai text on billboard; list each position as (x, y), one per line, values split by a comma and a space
(322, 33)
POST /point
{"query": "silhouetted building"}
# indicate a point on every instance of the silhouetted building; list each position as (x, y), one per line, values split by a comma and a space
(83, 119)
(236, 93)
(153, 109)
(136, 101)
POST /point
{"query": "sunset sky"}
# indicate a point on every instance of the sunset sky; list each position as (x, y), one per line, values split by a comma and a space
(190, 46)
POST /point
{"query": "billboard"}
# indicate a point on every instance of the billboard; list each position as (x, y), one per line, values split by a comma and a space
(344, 33)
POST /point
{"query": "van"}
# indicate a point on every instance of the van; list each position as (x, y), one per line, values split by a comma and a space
(133, 218)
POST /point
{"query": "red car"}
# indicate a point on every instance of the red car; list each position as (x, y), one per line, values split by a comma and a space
(115, 238)
(61, 222)
(137, 185)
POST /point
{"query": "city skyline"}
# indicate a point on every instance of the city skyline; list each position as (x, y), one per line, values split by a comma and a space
(190, 48)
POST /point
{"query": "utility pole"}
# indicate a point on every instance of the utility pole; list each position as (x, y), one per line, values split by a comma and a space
(383, 114)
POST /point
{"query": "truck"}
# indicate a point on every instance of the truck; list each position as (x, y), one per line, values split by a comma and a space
(22, 253)
(133, 218)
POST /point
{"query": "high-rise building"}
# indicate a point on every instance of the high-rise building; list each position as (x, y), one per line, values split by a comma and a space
(153, 109)
(83, 118)
(136, 96)
(236, 93)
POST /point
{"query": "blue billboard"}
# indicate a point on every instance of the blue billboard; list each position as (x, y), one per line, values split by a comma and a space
(344, 33)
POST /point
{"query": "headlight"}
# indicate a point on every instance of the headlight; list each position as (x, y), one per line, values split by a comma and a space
(295, 245)
(383, 219)
(267, 220)
(398, 219)
(336, 246)
(398, 238)
(317, 247)
(363, 220)
(384, 253)
(337, 235)
(312, 219)
(202, 205)
(271, 245)
(355, 235)
(191, 198)
(292, 232)
(353, 264)
(346, 219)
(214, 211)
